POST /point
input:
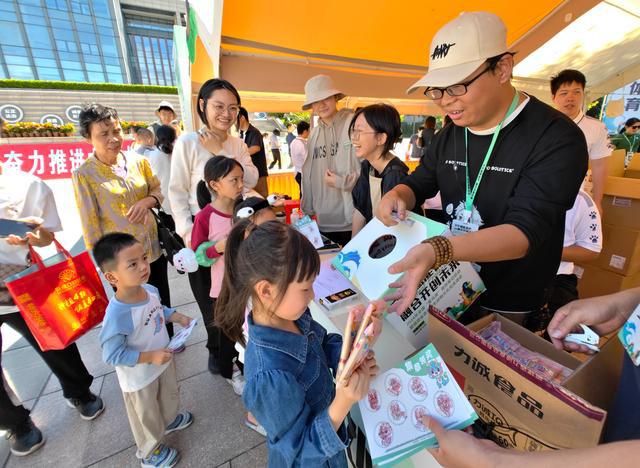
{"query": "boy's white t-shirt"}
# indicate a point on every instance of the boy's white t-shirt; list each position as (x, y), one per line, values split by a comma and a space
(583, 228)
(145, 330)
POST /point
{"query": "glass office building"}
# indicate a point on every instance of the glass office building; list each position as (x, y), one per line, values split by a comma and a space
(150, 43)
(80, 40)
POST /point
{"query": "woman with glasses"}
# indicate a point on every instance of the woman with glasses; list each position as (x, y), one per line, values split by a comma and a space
(218, 106)
(629, 138)
(374, 130)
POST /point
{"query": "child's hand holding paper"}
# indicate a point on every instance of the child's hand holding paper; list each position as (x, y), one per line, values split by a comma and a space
(362, 330)
(377, 312)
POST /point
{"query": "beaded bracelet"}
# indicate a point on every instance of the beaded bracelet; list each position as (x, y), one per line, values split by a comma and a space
(442, 248)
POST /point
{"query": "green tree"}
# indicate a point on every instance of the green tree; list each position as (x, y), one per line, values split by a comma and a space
(291, 118)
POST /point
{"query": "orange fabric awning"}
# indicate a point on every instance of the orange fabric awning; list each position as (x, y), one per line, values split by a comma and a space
(374, 49)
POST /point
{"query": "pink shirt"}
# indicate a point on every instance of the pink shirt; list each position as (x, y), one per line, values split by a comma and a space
(211, 225)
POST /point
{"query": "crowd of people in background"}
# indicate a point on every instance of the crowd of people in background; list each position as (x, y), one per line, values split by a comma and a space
(509, 171)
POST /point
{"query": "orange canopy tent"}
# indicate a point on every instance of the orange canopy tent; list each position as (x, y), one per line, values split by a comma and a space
(376, 49)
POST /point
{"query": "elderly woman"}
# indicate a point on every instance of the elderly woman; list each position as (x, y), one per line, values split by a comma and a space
(114, 192)
(218, 106)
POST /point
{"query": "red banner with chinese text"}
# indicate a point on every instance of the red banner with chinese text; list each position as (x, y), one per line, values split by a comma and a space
(48, 160)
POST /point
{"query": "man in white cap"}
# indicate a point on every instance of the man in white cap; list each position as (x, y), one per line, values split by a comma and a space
(507, 170)
(331, 168)
(166, 116)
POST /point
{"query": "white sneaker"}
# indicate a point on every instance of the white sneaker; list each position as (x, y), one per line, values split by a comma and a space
(237, 381)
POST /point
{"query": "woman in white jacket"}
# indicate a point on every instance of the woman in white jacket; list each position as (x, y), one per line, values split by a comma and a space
(218, 107)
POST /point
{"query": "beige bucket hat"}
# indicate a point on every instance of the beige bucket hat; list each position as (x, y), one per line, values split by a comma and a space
(318, 88)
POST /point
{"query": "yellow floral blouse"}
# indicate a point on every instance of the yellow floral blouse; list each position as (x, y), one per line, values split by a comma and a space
(104, 198)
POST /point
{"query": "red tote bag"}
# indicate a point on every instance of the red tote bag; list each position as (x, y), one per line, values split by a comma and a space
(60, 299)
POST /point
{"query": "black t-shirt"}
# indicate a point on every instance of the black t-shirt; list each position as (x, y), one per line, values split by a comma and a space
(253, 137)
(531, 180)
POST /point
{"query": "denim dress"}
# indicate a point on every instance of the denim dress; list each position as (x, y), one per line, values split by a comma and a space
(289, 387)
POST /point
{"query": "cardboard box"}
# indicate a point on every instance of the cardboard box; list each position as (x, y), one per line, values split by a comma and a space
(633, 169)
(615, 163)
(621, 202)
(620, 252)
(594, 281)
(523, 410)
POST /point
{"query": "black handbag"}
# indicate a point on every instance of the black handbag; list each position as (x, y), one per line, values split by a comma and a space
(170, 242)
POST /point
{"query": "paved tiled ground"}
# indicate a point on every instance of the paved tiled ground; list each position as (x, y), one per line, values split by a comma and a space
(217, 437)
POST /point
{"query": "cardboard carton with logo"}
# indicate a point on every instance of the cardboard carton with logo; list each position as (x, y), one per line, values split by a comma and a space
(521, 409)
(621, 202)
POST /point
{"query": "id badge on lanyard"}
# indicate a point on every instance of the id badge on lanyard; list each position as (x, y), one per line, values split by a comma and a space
(629, 335)
(466, 224)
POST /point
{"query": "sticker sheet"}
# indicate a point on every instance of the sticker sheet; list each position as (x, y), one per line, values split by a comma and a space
(398, 399)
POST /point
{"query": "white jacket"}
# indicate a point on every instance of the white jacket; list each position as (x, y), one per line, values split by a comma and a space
(187, 169)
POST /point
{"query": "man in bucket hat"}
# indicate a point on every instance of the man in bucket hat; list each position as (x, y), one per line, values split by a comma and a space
(331, 168)
(507, 170)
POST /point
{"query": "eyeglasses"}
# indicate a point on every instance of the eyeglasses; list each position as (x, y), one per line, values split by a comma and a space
(635, 127)
(459, 89)
(219, 108)
(355, 134)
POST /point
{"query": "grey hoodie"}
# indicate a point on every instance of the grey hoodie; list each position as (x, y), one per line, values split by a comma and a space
(329, 147)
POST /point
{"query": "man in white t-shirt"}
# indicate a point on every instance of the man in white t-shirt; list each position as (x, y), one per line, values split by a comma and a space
(567, 91)
(24, 196)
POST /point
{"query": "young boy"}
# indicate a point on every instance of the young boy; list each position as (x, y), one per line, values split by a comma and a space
(134, 339)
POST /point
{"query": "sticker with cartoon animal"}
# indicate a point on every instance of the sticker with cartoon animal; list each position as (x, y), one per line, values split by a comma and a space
(397, 412)
(384, 434)
(444, 404)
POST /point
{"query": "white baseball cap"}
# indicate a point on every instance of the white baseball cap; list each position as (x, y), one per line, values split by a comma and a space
(318, 88)
(165, 104)
(461, 46)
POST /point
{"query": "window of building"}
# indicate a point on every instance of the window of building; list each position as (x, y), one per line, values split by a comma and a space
(20, 72)
(73, 75)
(10, 34)
(38, 36)
(16, 60)
(33, 19)
(101, 9)
(48, 73)
(6, 6)
(115, 78)
(96, 77)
